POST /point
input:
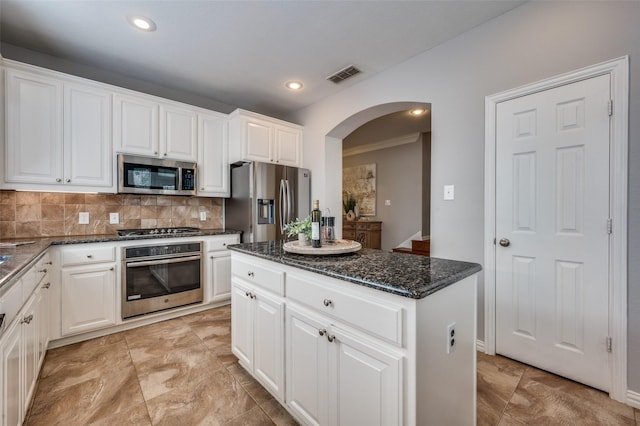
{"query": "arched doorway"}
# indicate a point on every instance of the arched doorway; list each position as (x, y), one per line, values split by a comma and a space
(387, 136)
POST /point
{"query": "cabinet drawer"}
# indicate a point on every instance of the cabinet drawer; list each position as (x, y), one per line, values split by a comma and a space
(221, 243)
(374, 316)
(348, 235)
(259, 275)
(87, 255)
(10, 303)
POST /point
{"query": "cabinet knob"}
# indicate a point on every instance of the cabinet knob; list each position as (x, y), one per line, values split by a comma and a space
(47, 285)
(112, 268)
(327, 302)
(246, 293)
(165, 154)
(58, 180)
(331, 338)
(202, 189)
(27, 320)
(250, 273)
(43, 270)
(322, 332)
(90, 256)
(68, 180)
(155, 152)
(48, 263)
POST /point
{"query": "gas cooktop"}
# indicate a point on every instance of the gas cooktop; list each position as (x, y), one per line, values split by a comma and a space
(157, 231)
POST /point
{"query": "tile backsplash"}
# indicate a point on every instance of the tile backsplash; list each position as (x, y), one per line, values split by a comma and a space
(48, 214)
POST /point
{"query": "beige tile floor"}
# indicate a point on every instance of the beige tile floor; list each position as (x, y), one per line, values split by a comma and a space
(182, 372)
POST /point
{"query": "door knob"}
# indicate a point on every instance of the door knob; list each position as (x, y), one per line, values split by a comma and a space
(505, 242)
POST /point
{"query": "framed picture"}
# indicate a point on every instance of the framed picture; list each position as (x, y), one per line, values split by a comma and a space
(359, 182)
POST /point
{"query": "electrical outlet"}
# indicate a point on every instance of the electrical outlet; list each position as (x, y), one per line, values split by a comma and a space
(448, 192)
(114, 218)
(387, 202)
(451, 337)
(83, 218)
(203, 216)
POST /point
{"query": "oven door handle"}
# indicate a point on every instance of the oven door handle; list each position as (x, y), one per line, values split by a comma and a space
(162, 261)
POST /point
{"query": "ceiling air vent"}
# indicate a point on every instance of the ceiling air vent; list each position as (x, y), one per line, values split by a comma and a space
(344, 74)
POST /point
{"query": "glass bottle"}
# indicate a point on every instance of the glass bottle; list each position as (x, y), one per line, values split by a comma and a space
(316, 216)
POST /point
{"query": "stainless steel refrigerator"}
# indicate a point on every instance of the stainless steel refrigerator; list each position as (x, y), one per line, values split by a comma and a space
(265, 197)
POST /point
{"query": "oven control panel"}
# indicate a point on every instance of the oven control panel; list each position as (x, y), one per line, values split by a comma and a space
(161, 250)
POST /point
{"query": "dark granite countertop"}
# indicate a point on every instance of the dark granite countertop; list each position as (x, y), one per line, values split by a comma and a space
(398, 273)
(24, 256)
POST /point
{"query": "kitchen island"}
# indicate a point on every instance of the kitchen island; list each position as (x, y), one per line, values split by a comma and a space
(370, 337)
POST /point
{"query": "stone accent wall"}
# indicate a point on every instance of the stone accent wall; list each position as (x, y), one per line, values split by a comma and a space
(48, 214)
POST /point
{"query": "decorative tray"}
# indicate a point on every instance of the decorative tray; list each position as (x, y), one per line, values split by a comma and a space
(339, 247)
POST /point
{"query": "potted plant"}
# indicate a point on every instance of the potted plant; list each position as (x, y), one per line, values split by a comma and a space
(301, 228)
(349, 204)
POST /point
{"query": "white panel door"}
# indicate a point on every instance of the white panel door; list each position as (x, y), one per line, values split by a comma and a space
(34, 128)
(87, 136)
(269, 343)
(219, 275)
(135, 125)
(12, 364)
(178, 133)
(242, 324)
(288, 146)
(213, 156)
(258, 141)
(552, 207)
(88, 298)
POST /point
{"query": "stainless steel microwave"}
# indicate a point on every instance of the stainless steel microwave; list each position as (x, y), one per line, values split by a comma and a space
(145, 175)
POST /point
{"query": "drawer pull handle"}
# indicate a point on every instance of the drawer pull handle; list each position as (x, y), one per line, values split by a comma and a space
(250, 273)
(327, 302)
(27, 320)
(250, 295)
(112, 268)
(322, 332)
(47, 285)
(90, 256)
(43, 270)
(331, 338)
(48, 263)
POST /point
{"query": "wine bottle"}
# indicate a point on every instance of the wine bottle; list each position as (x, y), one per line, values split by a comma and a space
(316, 216)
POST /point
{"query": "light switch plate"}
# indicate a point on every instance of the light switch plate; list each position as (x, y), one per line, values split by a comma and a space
(114, 218)
(387, 202)
(83, 218)
(203, 216)
(448, 192)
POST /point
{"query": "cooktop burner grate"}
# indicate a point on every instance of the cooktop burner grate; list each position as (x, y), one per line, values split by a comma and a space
(157, 231)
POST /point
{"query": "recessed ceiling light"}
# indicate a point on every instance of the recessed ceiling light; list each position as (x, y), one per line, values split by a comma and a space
(293, 85)
(417, 111)
(142, 23)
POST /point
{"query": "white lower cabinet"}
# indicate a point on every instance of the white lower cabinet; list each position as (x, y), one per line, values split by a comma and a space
(257, 334)
(339, 377)
(21, 358)
(88, 298)
(218, 268)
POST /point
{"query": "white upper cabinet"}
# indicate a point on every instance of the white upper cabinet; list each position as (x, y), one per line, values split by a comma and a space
(144, 126)
(135, 125)
(213, 156)
(33, 152)
(87, 136)
(259, 138)
(178, 133)
(71, 143)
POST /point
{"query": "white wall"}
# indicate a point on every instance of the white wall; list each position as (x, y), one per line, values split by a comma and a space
(532, 42)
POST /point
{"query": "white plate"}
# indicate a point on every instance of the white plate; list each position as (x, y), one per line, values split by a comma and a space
(340, 247)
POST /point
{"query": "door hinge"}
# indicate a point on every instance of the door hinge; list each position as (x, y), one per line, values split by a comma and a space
(609, 344)
(609, 226)
(610, 107)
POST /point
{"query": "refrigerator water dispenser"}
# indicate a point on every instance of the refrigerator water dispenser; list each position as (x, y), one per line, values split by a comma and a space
(266, 211)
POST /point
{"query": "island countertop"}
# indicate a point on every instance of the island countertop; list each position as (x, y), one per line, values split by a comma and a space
(403, 274)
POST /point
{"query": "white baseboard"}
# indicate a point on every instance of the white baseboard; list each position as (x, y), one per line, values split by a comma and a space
(480, 345)
(633, 399)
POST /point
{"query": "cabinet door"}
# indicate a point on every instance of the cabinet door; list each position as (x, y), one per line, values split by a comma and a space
(366, 382)
(11, 348)
(288, 146)
(44, 320)
(269, 342)
(219, 275)
(257, 141)
(242, 324)
(135, 124)
(30, 339)
(87, 136)
(88, 298)
(34, 128)
(178, 133)
(306, 364)
(213, 156)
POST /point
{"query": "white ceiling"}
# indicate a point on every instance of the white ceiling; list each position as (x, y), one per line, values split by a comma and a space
(242, 52)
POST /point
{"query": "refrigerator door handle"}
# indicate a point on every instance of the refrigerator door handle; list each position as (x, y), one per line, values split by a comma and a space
(289, 202)
(283, 207)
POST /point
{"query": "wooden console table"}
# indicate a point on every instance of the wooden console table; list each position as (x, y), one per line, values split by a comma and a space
(366, 232)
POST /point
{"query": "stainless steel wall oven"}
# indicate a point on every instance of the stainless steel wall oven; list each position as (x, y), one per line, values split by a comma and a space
(161, 276)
